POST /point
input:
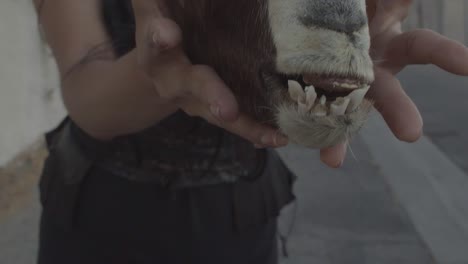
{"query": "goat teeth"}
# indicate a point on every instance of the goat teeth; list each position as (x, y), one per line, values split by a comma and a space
(319, 110)
(356, 98)
(339, 106)
(323, 100)
(303, 108)
(295, 91)
(311, 96)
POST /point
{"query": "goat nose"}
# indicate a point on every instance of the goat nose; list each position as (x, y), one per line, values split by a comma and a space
(341, 16)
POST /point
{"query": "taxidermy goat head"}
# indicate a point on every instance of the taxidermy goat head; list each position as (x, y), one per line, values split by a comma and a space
(300, 65)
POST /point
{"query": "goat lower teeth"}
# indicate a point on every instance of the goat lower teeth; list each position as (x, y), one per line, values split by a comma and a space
(311, 96)
(295, 91)
(319, 110)
(339, 106)
(323, 100)
(356, 98)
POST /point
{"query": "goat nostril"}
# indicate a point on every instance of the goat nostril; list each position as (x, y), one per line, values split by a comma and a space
(347, 26)
(335, 15)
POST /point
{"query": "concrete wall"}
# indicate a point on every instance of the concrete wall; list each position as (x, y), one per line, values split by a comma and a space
(29, 95)
(454, 24)
(449, 17)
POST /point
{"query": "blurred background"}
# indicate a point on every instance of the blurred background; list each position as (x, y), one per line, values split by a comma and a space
(391, 203)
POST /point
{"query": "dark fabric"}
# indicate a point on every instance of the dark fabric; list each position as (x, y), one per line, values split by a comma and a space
(255, 200)
(121, 221)
(178, 152)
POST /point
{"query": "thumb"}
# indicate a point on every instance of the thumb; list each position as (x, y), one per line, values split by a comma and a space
(385, 14)
(155, 31)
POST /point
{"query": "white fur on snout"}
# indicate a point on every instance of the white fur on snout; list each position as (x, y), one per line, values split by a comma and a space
(320, 132)
(302, 49)
(312, 50)
(356, 98)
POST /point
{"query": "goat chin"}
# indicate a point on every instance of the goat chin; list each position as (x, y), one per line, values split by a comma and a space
(320, 132)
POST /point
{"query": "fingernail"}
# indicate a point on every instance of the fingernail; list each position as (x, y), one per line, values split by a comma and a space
(332, 166)
(340, 164)
(280, 139)
(215, 111)
(155, 37)
(158, 40)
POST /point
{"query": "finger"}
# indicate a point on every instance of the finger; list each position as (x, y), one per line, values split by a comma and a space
(380, 7)
(164, 34)
(203, 85)
(158, 47)
(255, 132)
(384, 14)
(428, 47)
(398, 110)
(153, 8)
(155, 31)
(334, 156)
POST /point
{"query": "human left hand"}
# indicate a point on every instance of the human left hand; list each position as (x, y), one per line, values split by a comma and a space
(393, 50)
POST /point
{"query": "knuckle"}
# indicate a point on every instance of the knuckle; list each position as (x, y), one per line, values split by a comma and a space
(165, 93)
(190, 112)
(189, 107)
(423, 31)
(144, 62)
(202, 70)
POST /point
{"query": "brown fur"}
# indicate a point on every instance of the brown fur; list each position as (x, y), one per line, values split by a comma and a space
(233, 38)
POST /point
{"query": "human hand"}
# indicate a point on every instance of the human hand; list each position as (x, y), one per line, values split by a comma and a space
(392, 50)
(196, 89)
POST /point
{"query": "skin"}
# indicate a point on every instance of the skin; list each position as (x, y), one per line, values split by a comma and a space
(156, 78)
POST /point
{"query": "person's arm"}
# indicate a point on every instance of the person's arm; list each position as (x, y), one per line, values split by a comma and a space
(111, 97)
(106, 97)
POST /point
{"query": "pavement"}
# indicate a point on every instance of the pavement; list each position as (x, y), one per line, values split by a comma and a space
(441, 98)
(391, 203)
(348, 215)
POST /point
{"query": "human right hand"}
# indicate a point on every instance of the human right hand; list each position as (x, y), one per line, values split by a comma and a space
(196, 89)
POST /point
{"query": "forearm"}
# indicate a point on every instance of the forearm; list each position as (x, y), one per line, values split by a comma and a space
(109, 98)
